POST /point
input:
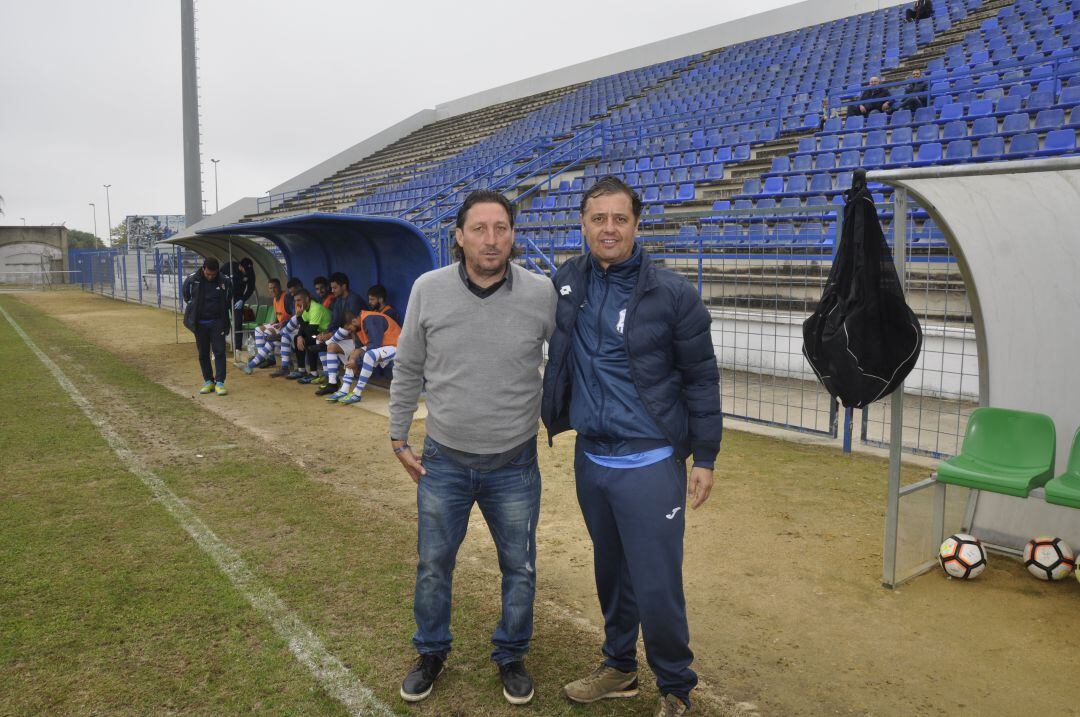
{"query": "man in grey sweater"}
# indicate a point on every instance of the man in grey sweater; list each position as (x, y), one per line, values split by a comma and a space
(473, 339)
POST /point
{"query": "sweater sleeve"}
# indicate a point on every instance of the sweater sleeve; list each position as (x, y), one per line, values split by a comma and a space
(408, 367)
(187, 288)
(695, 359)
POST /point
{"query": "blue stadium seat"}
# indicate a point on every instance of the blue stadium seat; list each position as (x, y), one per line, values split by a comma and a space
(957, 129)
(901, 155)
(958, 150)
(821, 182)
(803, 163)
(924, 115)
(796, 183)
(852, 140)
(667, 193)
(1024, 145)
(1008, 105)
(1015, 123)
(984, 126)
(849, 159)
(981, 108)
(1060, 141)
(773, 185)
(951, 111)
(927, 133)
(780, 164)
(901, 136)
(928, 153)
(751, 186)
(830, 143)
(991, 148)
(900, 118)
(876, 138)
(874, 157)
(1049, 119)
(686, 192)
(715, 172)
(652, 194)
(825, 160)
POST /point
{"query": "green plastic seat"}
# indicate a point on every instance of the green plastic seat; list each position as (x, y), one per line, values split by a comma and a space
(1065, 489)
(1004, 451)
(262, 316)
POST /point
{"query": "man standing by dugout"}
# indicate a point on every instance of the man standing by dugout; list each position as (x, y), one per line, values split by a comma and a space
(209, 302)
(473, 339)
(631, 368)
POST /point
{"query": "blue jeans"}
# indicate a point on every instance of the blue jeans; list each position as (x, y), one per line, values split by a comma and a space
(509, 499)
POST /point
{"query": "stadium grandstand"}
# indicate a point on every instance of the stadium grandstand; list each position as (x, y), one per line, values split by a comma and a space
(746, 126)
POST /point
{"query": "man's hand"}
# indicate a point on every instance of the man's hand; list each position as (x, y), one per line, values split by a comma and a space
(699, 486)
(239, 304)
(412, 464)
(300, 343)
(862, 109)
(323, 337)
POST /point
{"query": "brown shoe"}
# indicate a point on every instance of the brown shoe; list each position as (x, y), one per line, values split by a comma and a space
(604, 683)
(671, 706)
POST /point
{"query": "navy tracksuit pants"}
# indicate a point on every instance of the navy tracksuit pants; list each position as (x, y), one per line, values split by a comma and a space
(636, 519)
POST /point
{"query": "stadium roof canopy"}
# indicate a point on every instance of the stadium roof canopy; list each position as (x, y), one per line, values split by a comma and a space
(370, 250)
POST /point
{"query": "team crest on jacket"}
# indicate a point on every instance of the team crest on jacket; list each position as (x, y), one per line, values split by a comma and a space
(565, 290)
(622, 321)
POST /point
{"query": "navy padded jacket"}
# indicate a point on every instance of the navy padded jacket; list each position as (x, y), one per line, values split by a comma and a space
(668, 335)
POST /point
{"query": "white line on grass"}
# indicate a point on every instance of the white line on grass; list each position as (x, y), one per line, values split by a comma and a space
(335, 678)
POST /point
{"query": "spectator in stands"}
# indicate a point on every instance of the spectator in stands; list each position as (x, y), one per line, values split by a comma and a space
(827, 113)
(314, 318)
(242, 275)
(473, 340)
(322, 291)
(377, 335)
(915, 92)
(631, 368)
(336, 350)
(376, 298)
(921, 10)
(873, 99)
(208, 294)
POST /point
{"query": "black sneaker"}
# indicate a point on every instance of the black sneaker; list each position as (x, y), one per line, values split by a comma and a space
(328, 389)
(517, 685)
(418, 683)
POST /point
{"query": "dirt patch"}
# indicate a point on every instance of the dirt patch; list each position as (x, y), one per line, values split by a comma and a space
(782, 564)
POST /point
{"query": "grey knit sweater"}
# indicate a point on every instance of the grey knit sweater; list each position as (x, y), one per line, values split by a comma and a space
(478, 359)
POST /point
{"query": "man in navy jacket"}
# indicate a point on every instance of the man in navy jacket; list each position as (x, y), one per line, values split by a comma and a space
(631, 368)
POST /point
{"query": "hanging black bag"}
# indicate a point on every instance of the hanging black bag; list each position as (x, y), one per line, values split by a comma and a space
(863, 340)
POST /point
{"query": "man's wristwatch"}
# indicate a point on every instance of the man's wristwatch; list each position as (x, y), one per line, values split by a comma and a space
(403, 447)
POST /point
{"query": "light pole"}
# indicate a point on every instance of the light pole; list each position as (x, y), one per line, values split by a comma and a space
(204, 207)
(215, 161)
(93, 210)
(108, 215)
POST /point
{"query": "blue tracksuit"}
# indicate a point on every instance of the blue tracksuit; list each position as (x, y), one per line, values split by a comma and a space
(635, 514)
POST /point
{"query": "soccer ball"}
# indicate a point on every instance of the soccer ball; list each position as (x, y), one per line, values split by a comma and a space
(962, 556)
(1049, 558)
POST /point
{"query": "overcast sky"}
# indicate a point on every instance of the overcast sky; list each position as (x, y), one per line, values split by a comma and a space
(90, 91)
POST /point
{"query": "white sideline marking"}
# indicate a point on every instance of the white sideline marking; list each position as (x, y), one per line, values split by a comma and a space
(334, 677)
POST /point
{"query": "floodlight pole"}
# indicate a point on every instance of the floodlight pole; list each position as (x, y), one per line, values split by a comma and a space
(215, 161)
(93, 211)
(108, 215)
(193, 201)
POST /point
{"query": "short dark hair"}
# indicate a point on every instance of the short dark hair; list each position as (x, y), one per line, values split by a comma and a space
(303, 292)
(320, 280)
(378, 291)
(610, 184)
(339, 278)
(348, 318)
(276, 282)
(294, 282)
(211, 263)
(484, 196)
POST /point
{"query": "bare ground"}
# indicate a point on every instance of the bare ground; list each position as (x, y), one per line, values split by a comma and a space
(782, 564)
